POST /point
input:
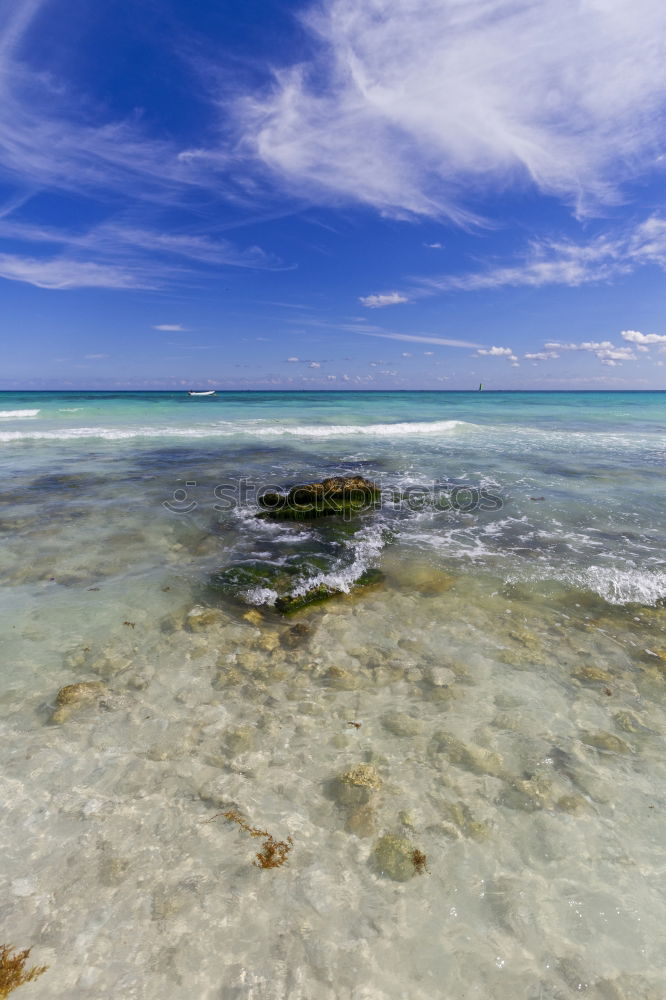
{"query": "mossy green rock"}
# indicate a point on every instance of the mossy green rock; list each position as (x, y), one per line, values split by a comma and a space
(291, 603)
(338, 495)
(393, 857)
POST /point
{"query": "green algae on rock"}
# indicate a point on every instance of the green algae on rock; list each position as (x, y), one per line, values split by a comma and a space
(346, 495)
(321, 592)
(396, 858)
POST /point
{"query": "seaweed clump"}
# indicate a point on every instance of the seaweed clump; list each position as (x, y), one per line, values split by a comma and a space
(13, 972)
(420, 861)
(273, 853)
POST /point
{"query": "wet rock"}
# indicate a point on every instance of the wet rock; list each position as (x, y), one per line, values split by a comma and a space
(478, 760)
(629, 723)
(295, 635)
(73, 697)
(440, 676)
(401, 724)
(356, 786)
(291, 603)
(254, 617)
(526, 795)
(393, 857)
(572, 804)
(201, 618)
(362, 822)
(338, 495)
(592, 676)
(605, 741)
(344, 680)
(460, 815)
(239, 740)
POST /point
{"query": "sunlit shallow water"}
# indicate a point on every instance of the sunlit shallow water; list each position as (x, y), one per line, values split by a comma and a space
(504, 687)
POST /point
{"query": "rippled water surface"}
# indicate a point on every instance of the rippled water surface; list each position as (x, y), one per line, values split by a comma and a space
(468, 757)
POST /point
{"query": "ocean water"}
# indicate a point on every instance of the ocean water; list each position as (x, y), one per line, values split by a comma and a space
(497, 703)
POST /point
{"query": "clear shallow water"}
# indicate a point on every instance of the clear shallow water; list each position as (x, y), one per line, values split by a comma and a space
(509, 678)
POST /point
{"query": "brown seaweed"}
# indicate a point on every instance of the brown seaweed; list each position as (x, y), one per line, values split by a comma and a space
(273, 853)
(13, 972)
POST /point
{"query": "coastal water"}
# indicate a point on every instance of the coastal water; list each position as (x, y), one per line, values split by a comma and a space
(497, 703)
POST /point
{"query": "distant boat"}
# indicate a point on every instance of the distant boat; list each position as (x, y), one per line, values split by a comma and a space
(480, 386)
(201, 392)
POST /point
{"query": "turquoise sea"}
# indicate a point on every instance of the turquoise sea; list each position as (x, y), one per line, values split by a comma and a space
(497, 703)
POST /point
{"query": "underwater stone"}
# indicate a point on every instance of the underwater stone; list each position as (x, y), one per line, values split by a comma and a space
(592, 675)
(202, 618)
(440, 676)
(362, 822)
(73, 697)
(471, 758)
(572, 804)
(401, 724)
(253, 616)
(393, 857)
(605, 741)
(629, 723)
(356, 786)
(342, 679)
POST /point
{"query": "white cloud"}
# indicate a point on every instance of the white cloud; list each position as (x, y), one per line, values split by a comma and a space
(314, 364)
(293, 359)
(428, 353)
(96, 357)
(61, 273)
(642, 339)
(170, 327)
(542, 356)
(433, 246)
(563, 262)
(497, 352)
(405, 102)
(379, 301)
(407, 354)
(604, 350)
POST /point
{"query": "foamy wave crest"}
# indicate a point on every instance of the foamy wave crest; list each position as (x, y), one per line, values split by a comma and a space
(365, 549)
(617, 586)
(228, 429)
(18, 413)
(367, 430)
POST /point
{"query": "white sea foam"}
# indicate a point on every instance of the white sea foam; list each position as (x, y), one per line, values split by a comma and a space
(228, 429)
(366, 548)
(617, 586)
(8, 414)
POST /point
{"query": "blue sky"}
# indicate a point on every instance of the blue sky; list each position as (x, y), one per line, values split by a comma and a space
(343, 194)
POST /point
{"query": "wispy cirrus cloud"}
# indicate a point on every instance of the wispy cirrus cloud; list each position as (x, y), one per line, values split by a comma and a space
(370, 117)
(56, 139)
(559, 262)
(412, 337)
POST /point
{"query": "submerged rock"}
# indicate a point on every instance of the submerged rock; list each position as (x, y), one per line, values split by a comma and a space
(337, 495)
(73, 697)
(478, 760)
(356, 786)
(396, 858)
(605, 741)
(323, 592)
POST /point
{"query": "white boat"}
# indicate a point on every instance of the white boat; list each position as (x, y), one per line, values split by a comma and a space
(201, 392)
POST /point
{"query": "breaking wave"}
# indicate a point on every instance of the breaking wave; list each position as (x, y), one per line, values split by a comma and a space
(229, 429)
(18, 413)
